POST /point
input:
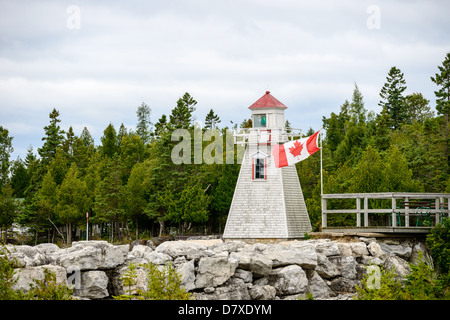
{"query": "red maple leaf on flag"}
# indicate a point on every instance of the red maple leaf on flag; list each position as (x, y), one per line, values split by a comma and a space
(296, 149)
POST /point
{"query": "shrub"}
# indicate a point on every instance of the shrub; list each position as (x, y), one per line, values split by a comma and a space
(163, 283)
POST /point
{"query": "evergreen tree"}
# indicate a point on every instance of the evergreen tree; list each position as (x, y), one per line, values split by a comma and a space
(86, 137)
(417, 108)
(393, 99)
(182, 114)
(143, 127)
(9, 208)
(5, 150)
(110, 143)
(20, 178)
(211, 120)
(72, 200)
(442, 80)
(53, 138)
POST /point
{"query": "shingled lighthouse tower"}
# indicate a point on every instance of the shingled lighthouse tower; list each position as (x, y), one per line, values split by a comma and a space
(268, 202)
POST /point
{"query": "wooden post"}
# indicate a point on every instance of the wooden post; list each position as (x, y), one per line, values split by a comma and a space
(406, 212)
(394, 220)
(324, 214)
(436, 212)
(448, 207)
(366, 211)
(358, 213)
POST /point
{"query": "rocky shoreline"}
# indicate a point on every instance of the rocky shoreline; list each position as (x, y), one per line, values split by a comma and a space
(217, 270)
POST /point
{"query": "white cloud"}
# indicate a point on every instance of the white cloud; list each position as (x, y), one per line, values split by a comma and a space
(225, 53)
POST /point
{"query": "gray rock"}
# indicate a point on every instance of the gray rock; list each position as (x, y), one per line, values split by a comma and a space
(343, 285)
(305, 258)
(325, 268)
(359, 249)
(257, 263)
(317, 286)
(415, 254)
(94, 285)
(346, 265)
(327, 247)
(90, 255)
(265, 292)
(345, 249)
(214, 271)
(400, 267)
(235, 290)
(245, 275)
(181, 248)
(289, 280)
(27, 275)
(187, 275)
(401, 250)
(375, 250)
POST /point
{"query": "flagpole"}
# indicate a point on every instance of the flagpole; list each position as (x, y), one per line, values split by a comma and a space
(321, 167)
(87, 226)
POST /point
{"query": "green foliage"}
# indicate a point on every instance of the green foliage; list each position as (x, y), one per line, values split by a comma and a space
(438, 240)
(5, 150)
(423, 283)
(392, 98)
(163, 283)
(53, 138)
(47, 289)
(7, 279)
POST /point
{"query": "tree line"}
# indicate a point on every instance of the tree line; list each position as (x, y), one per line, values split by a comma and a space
(131, 188)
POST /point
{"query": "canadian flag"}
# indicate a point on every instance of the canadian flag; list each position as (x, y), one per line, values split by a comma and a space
(294, 151)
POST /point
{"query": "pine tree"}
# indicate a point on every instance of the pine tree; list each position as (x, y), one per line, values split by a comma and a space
(417, 108)
(53, 138)
(442, 80)
(110, 143)
(73, 200)
(182, 114)
(5, 150)
(211, 120)
(393, 99)
(143, 127)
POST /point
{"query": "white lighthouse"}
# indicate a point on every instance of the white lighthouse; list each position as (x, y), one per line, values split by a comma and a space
(268, 202)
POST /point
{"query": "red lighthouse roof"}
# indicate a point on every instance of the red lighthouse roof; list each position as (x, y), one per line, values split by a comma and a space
(267, 101)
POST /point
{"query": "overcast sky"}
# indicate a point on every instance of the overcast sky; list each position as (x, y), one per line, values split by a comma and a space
(97, 61)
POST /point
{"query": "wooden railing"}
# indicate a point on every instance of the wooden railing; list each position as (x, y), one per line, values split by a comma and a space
(402, 205)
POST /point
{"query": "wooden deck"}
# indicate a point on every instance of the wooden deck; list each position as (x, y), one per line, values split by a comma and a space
(404, 219)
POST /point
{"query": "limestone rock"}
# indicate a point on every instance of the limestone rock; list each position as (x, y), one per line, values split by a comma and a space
(257, 263)
(189, 249)
(265, 292)
(375, 250)
(346, 265)
(400, 267)
(415, 253)
(90, 255)
(306, 258)
(28, 274)
(401, 250)
(359, 249)
(187, 274)
(317, 286)
(327, 247)
(245, 275)
(325, 268)
(289, 280)
(343, 285)
(344, 249)
(94, 285)
(214, 271)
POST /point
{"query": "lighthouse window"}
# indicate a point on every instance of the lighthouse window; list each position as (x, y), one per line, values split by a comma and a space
(259, 168)
(260, 120)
